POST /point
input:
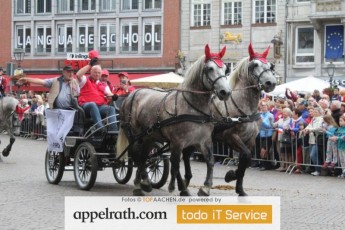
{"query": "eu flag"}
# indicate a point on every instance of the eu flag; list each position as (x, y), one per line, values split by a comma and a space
(334, 42)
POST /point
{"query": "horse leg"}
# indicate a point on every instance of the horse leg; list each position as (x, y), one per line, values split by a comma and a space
(145, 182)
(182, 186)
(137, 189)
(244, 160)
(186, 159)
(175, 173)
(205, 190)
(242, 166)
(8, 148)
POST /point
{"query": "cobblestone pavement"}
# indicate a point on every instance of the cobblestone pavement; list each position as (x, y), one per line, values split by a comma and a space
(27, 201)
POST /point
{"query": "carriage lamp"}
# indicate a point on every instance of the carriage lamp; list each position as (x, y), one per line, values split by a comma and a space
(19, 56)
(330, 72)
(279, 79)
(277, 43)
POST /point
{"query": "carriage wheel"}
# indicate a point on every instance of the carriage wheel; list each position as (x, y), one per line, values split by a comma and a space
(123, 173)
(158, 168)
(85, 166)
(54, 166)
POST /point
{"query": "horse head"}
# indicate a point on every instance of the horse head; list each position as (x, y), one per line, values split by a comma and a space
(215, 72)
(261, 69)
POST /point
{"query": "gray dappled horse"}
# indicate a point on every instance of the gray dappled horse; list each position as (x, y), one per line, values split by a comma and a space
(7, 108)
(180, 116)
(251, 75)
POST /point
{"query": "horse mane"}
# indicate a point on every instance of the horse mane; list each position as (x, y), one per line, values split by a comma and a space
(193, 72)
(241, 69)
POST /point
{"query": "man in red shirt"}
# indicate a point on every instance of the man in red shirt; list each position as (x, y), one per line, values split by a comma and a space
(92, 96)
(125, 85)
(3, 83)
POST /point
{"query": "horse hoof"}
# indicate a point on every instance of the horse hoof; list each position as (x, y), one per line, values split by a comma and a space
(241, 193)
(5, 153)
(186, 182)
(204, 191)
(171, 188)
(146, 187)
(230, 176)
(138, 192)
(185, 193)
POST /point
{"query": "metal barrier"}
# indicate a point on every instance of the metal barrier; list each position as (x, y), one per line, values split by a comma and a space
(290, 156)
(32, 126)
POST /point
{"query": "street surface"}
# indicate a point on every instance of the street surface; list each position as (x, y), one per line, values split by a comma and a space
(28, 201)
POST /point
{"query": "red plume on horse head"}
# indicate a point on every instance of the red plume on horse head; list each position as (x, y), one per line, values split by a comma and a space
(216, 57)
(253, 55)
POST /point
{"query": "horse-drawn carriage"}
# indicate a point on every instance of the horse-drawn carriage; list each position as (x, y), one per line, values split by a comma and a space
(88, 150)
(185, 118)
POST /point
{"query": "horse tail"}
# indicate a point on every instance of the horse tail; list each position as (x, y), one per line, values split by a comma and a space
(122, 143)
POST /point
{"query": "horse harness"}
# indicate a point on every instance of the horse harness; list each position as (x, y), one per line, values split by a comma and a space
(174, 119)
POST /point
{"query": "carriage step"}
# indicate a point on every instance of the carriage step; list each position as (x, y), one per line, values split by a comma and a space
(102, 154)
(69, 168)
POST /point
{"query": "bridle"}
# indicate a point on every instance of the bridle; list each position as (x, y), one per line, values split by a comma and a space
(208, 78)
(258, 77)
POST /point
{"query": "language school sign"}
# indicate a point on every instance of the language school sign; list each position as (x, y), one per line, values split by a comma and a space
(77, 60)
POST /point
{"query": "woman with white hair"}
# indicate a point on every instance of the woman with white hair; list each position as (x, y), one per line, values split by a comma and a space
(314, 129)
(284, 124)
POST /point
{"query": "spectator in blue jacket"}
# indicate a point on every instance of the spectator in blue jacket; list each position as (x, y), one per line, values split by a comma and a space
(266, 131)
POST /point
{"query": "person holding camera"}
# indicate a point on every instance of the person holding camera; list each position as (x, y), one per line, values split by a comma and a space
(125, 85)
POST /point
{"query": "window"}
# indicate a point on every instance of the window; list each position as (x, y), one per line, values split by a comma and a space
(107, 5)
(265, 11)
(152, 36)
(232, 11)
(65, 6)
(129, 4)
(23, 6)
(152, 4)
(23, 38)
(201, 15)
(129, 37)
(304, 45)
(85, 38)
(87, 5)
(44, 39)
(107, 41)
(44, 6)
(64, 37)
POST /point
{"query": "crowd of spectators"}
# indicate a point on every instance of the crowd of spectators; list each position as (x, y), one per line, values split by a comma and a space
(306, 131)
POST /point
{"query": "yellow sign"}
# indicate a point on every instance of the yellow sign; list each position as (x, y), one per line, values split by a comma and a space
(224, 214)
(229, 37)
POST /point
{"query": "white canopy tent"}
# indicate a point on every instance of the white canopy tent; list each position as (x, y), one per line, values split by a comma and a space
(303, 85)
(168, 80)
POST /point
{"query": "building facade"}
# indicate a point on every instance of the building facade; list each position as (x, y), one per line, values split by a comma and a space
(315, 29)
(234, 24)
(130, 35)
(305, 36)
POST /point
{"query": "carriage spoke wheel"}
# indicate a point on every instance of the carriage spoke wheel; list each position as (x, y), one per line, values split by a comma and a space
(158, 168)
(123, 173)
(54, 166)
(85, 166)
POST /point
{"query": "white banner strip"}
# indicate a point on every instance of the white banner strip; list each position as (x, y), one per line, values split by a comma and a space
(169, 213)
